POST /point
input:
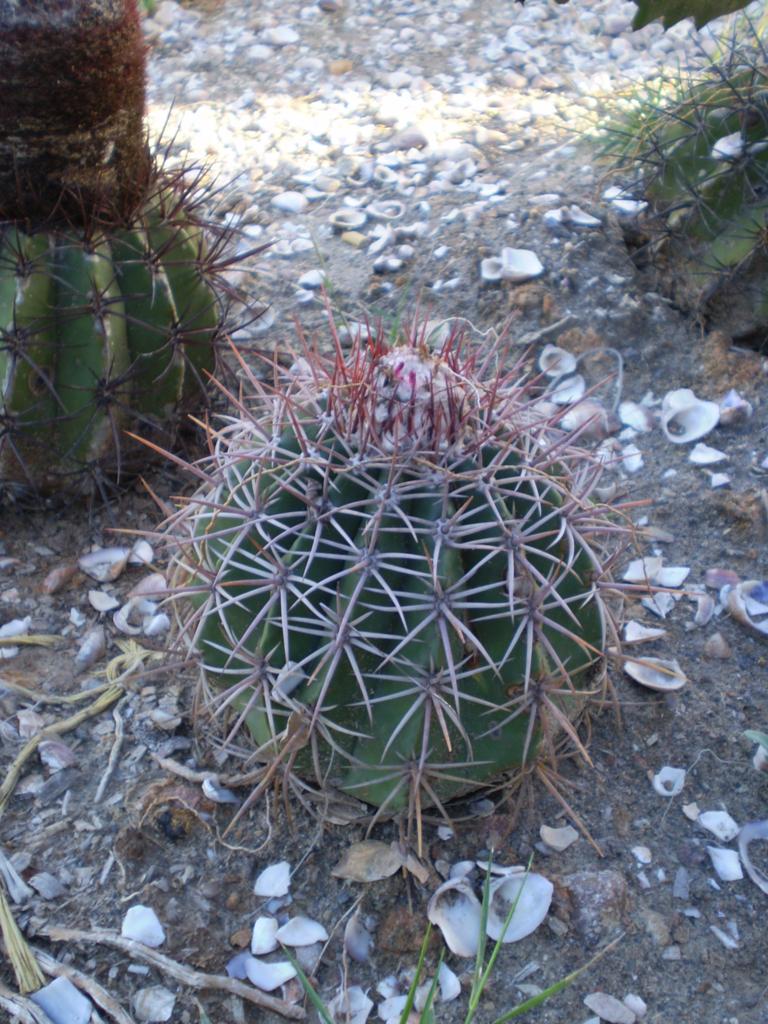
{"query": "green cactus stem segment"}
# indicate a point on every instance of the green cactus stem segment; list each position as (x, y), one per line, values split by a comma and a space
(389, 555)
(97, 335)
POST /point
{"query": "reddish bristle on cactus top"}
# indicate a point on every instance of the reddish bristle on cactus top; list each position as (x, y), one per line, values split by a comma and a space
(392, 572)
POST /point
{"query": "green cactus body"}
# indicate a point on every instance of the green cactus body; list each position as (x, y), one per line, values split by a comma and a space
(97, 336)
(388, 556)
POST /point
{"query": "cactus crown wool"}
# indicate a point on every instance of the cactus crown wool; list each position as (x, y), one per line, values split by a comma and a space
(391, 572)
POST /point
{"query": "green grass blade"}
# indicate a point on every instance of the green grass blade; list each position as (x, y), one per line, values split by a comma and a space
(310, 993)
(417, 976)
(558, 986)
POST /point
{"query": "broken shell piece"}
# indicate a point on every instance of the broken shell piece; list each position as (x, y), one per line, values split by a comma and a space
(263, 937)
(450, 986)
(749, 833)
(154, 1004)
(518, 265)
(729, 147)
(274, 880)
(130, 617)
(266, 976)
(56, 755)
(671, 576)
(726, 864)
(301, 931)
(532, 893)
(218, 794)
(347, 219)
(719, 480)
(748, 604)
(705, 609)
(590, 419)
(456, 911)
(104, 564)
(734, 408)
(631, 458)
(636, 632)
(386, 209)
(556, 362)
(350, 1005)
(358, 941)
(102, 601)
(567, 390)
(153, 585)
(558, 838)
(718, 578)
(642, 854)
(691, 811)
(703, 455)
(661, 604)
(141, 553)
(636, 416)
(669, 781)
(142, 925)
(62, 1003)
(720, 824)
(92, 647)
(717, 646)
(643, 570)
(656, 673)
(608, 1008)
(684, 417)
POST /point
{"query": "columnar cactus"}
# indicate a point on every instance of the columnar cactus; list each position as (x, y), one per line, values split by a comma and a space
(110, 280)
(390, 572)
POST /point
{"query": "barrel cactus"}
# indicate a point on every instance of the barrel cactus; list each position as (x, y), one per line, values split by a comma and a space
(392, 572)
(111, 281)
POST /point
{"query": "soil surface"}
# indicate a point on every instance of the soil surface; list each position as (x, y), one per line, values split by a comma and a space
(154, 838)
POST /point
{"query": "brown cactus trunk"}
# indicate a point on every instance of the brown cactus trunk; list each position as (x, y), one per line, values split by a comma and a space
(72, 140)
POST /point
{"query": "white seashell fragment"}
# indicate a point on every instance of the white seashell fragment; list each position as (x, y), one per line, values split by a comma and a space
(748, 834)
(702, 455)
(734, 408)
(104, 564)
(669, 781)
(358, 941)
(154, 1004)
(748, 603)
(558, 838)
(637, 416)
(56, 755)
(218, 794)
(274, 880)
(589, 418)
(266, 976)
(16, 627)
(77, 618)
(533, 894)
(92, 647)
(350, 1006)
(102, 601)
(142, 925)
(629, 208)
(450, 986)
(672, 576)
(729, 147)
(631, 458)
(636, 632)
(609, 1009)
(391, 1010)
(637, 1005)
(684, 417)
(141, 553)
(726, 864)
(660, 604)
(643, 570)
(385, 210)
(263, 936)
(720, 824)
(567, 390)
(370, 860)
(156, 625)
(656, 673)
(642, 854)
(63, 1003)
(301, 931)
(456, 911)
(556, 362)
(691, 811)
(153, 585)
(518, 265)
(347, 219)
(727, 940)
(719, 480)
(705, 609)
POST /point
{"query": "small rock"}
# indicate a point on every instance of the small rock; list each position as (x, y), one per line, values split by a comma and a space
(281, 35)
(354, 238)
(154, 1004)
(717, 646)
(340, 67)
(408, 138)
(598, 902)
(290, 202)
(655, 926)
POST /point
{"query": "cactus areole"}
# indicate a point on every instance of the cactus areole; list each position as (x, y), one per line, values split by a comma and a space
(391, 572)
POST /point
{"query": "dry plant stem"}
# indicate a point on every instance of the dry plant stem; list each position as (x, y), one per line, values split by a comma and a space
(33, 639)
(185, 975)
(50, 698)
(107, 697)
(29, 977)
(21, 1009)
(96, 992)
(114, 754)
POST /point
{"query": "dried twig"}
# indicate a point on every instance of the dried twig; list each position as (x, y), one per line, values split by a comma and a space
(187, 976)
(107, 697)
(114, 754)
(6, 683)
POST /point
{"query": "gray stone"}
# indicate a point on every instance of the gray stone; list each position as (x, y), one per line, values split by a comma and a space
(598, 902)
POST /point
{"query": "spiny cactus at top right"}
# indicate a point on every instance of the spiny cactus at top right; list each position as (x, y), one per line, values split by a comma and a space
(699, 153)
